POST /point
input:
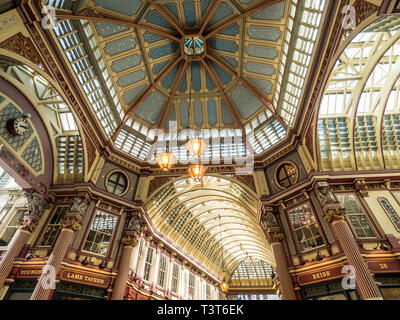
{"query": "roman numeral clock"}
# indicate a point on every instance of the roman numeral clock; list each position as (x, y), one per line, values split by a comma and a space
(19, 126)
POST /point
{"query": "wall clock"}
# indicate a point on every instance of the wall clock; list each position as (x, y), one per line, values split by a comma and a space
(19, 126)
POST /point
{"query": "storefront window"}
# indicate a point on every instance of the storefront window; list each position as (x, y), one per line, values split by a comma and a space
(356, 215)
(328, 291)
(305, 227)
(72, 291)
(53, 228)
(100, 233)
(389, 285)
(11, 228)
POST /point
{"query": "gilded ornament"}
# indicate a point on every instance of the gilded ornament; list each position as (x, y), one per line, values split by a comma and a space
(335, 214)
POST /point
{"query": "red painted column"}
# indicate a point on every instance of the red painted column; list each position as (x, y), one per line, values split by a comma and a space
(286, 285)
(19, 239)
(70, 224)
(129, 242)
(335, 215)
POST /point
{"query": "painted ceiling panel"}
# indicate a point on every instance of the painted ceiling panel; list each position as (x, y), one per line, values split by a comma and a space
(264, 33)
(198, 113)
(131, 94)
(128, 7)
(171, 116)
(223, 11)
(151, 107)
(152, 37)
(190, 13)
(155, 18)
(126, 63)
(212, 112)
(120, 45)
(227, 117)
(106, 29)
(131, 78)
(246, 103)
(275, 12)
(163, 50)
(173, 8)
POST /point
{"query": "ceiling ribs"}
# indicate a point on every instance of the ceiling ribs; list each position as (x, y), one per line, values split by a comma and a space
(167, 16)
(210, 15)
(262, 5)
(249, 87)
(171, 98)
(130, 112)
(103, 17)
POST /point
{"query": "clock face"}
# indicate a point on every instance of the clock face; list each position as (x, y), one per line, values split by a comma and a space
(21, 126)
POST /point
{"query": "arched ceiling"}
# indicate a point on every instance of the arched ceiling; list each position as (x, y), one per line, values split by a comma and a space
(129, 58)
(358, 123)
(59, 121)
(203, 218)
(252, 273)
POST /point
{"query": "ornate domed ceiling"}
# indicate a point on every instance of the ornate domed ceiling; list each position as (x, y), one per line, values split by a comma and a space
(237, 67)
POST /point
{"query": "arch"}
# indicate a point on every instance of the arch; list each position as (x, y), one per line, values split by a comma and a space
(357, 115)
(198, 217)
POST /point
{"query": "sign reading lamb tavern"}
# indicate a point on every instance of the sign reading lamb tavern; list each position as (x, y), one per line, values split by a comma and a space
(84, 278)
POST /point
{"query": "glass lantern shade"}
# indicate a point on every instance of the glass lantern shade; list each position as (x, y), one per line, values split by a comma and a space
(197, 171)
(165, 160)
(196, 147)
(224, 286)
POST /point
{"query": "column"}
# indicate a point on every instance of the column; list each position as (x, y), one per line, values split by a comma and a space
(71, 223)
(286, 285)
(129, 241)
(274, 235)
(335, 215)
(19, 239)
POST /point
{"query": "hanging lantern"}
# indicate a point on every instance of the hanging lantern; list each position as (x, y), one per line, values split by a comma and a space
(197, 171)
(196, 147)
(165, 160)
(224, 286)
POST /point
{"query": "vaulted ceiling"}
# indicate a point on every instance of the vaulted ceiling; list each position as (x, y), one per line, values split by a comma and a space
(132, 59)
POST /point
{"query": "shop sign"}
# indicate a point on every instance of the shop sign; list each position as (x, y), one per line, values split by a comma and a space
(85, 278)
(26, 273)
(383, 266)
(314, 277)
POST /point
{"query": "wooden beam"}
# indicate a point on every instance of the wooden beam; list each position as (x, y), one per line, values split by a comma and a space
(256, 8)
(260, 96)
(210, 15)
(103, 17)
(130, 112)
(167, 16)
(173, 92)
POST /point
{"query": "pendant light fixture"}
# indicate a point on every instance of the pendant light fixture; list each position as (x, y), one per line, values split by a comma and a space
(196, 171)
(224, 285)
(166, 160)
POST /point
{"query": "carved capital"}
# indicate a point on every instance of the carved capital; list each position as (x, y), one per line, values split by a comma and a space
(334, 214)
(274, 237)
(129, 241)
(28, 224)
(71, 223)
